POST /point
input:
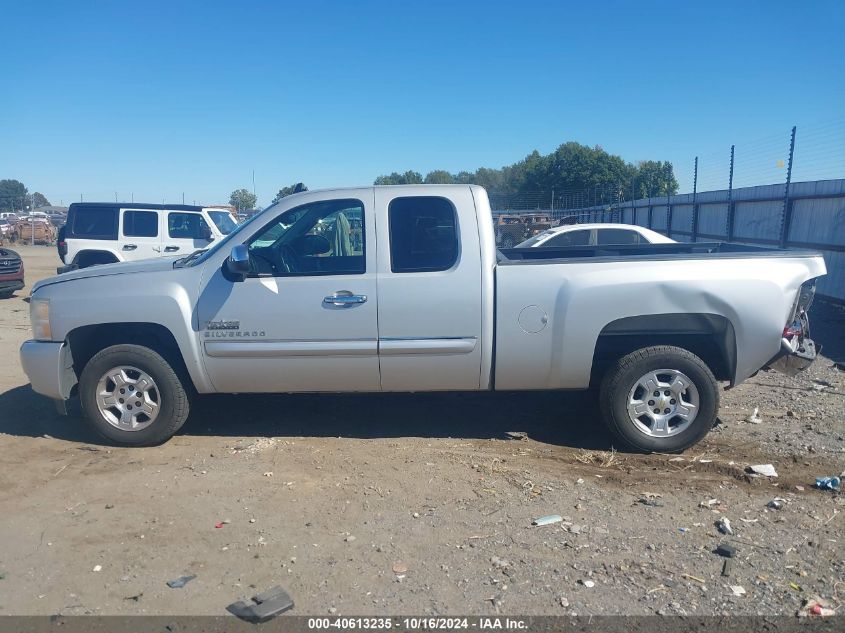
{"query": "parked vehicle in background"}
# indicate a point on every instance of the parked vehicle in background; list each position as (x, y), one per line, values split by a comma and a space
(35, 229)
(57, 219)
(291, 302)
(105, 233)
(8, 215)
(595, 235)
(8, 231)
(11, 273)
(513, 228)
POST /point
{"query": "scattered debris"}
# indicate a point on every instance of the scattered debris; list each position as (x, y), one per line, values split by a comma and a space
(726, 567)
(695, 578)
(652, 503)
(738, 590)
(269, 473)
(589, 584)
(180, 582)
(724, 526)
(499, 563)
(765, 470)
(828, 483)
(400, 568)
(220, 524)
(109, 506)
(517, 435)
(754, 418)
(547, 520)
(776, 504)
(136, 598)
(709, 503)
(728, 551)
(97, 568)
(267, 606)
(815, 607)
(349, 538)
(563, 601)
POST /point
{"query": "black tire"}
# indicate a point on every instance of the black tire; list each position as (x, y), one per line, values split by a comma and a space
(621, 378)
(6, 294)
(173, 399)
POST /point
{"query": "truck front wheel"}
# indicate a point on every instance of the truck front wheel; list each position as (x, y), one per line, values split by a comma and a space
(659, 399)
(132, 396)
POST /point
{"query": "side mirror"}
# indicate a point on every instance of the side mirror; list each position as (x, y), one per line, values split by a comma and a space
(237, 264)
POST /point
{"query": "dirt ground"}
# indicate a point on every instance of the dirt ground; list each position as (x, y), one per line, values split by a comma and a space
(420, 504)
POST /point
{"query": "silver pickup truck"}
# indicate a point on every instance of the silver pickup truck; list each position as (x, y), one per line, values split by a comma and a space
(384, 289)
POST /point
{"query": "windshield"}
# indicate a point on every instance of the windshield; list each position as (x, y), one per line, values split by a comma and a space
(237, 231)
(224, 221)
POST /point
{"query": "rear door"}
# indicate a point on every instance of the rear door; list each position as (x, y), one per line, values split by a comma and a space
(140, 237)
(430, 291)
(183, 232)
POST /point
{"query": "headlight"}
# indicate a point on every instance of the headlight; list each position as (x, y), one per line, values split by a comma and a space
(39, 316)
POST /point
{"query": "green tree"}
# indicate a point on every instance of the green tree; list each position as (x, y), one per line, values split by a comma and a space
(284, 192)
(12, 195)
(408, 178)
(39, 200)
(243, 200)
(439, 177)
(654, 178)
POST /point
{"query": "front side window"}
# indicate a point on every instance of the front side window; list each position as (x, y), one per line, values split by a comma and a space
(423, 234)
(140, 223)
(190, 226)
(321, 238)
(570, 238)
(617, 236)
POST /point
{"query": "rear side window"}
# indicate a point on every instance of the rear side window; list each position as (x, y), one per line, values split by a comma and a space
(140, 224)
(617, 236)
(423, 234)
(94, 223)
(186, 225)
(571, 238)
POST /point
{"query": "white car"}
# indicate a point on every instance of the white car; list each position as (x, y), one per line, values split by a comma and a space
(595, 235)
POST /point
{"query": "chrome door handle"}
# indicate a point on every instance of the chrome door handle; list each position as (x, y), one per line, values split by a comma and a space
(130, 247)
(343, 299)
(171, 249)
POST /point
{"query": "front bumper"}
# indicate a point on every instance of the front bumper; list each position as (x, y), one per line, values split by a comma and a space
(49, 367)
(11, 284)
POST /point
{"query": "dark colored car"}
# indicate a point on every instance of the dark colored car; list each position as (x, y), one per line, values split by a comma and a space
(11, 272)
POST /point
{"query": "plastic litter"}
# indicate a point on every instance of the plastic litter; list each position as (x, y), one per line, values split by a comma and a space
(180, 582)
(828, 483)
(815, 607)
(776, 504)
(728, 551)
(547, 520)
(766, 470)
(738, 590)
(724, 526)
(266, 606)
(754, 418)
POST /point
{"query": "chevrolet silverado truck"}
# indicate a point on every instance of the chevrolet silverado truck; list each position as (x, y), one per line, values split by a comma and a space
(417, 298)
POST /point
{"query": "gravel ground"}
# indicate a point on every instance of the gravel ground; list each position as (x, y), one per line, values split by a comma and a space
(421, 504)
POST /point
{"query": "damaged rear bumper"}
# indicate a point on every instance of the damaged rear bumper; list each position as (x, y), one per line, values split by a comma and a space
(795, 356)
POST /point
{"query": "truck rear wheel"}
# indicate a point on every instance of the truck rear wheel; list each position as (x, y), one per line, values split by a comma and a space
(659, 399)
(132, 396)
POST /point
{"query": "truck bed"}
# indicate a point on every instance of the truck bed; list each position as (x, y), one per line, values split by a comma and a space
(610, 252)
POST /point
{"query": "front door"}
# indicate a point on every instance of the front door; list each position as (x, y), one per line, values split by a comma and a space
(184, 232)
(305, 318)
(140, 237)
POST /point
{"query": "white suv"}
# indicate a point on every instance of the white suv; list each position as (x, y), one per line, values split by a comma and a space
(104, 233)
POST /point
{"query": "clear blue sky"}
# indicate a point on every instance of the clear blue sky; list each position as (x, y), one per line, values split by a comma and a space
(161, 98)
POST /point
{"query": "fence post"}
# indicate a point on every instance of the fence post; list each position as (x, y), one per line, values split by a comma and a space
(650, 212)
(668, 200)
(730, 218)
(786, 213)
(694, 236)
